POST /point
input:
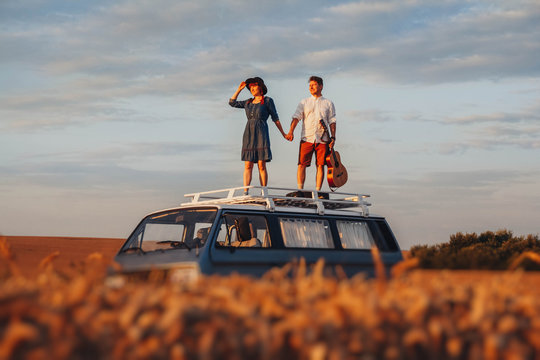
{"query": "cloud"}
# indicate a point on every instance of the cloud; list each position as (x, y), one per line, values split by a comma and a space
(369, 115)
(161, 164)
(527, 115)
(434, 193)
(500, 118)
(356, 9)
(494, 131)
(89, 59)
(474, 180)
(490, 144)
(442, 42)
(396, 41)
(123, 154)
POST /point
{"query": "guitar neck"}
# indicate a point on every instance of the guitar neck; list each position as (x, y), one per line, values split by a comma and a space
(323, 124)
(334, 156)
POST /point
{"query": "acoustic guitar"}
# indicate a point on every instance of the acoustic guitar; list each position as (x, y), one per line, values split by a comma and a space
(337, 173)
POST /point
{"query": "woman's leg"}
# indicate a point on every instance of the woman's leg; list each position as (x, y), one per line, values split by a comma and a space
(263, 174)
(248, 168)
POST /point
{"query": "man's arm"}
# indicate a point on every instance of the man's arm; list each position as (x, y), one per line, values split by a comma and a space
(290, 135)
(332, 135)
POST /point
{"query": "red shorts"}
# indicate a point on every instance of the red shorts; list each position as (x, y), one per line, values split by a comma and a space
(306, 153)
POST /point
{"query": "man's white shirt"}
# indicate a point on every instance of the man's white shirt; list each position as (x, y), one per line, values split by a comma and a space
(310, 111)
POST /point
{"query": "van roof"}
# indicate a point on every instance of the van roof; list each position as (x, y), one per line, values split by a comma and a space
(283, 199)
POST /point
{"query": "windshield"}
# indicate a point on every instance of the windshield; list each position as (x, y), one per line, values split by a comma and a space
(177, 229)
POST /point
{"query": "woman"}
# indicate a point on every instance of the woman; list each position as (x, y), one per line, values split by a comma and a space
(256, 140)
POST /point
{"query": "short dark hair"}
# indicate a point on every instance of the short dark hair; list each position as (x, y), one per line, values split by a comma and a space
(317, 79)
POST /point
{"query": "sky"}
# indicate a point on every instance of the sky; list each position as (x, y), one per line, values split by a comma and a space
(112, 109)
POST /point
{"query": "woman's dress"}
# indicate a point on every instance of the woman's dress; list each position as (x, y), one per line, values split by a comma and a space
(256, 140)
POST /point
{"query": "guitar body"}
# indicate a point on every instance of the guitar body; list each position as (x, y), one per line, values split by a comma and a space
(337, 174)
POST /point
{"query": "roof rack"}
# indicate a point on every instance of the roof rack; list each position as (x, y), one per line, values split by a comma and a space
(286, 197)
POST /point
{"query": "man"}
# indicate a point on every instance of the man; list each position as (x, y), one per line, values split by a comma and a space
(314, 139)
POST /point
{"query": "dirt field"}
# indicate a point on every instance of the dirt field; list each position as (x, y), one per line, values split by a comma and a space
(29, 251)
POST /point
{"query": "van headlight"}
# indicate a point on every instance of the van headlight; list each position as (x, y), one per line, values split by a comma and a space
(186, 274)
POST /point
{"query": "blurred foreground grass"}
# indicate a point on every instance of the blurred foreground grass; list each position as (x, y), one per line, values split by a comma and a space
(292, 313)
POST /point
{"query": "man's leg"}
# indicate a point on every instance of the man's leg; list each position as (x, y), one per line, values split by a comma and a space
(301, 176)
(320, 176)
(321, 149)
(263, 174)
(305, 153)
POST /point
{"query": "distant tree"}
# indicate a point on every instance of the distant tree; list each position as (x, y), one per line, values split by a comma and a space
(489, 250)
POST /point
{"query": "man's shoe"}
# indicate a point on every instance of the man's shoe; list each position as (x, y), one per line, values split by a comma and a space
(323, 196)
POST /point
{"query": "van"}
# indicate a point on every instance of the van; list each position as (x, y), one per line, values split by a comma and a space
(225, 231)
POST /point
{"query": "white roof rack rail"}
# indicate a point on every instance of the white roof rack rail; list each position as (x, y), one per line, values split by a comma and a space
(286, 197)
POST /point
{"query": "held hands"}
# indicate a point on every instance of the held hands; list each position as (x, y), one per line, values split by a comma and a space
(289, 136)
(278, 124)
(286, 136)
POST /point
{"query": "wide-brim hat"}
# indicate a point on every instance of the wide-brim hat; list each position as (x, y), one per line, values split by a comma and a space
(259, 81)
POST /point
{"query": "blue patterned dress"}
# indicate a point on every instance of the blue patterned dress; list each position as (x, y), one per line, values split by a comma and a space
(256, 140)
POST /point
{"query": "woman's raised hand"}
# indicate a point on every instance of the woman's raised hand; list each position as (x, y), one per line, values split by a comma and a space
(240, 88)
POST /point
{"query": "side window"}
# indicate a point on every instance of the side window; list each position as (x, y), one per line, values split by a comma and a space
(355, 235)
(243, 230)
(222, 237)
(388, 237)
(306, 233)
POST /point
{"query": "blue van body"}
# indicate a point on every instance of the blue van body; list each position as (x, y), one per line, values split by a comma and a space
(250, 234)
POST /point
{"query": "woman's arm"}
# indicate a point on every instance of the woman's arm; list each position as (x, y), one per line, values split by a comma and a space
(240, 88)
(273, 113)
(233, 102)
(280, 128)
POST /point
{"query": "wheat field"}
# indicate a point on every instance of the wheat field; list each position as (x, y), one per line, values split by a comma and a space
(295, 312)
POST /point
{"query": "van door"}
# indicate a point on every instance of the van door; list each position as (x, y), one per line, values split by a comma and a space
(244, 244)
